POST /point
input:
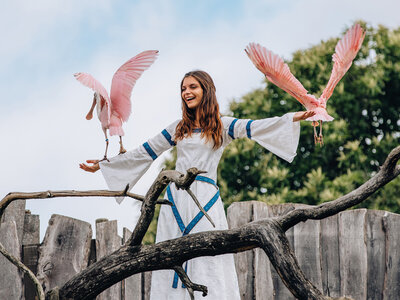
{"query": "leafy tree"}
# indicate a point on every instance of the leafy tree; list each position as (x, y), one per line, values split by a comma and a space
(366, 108)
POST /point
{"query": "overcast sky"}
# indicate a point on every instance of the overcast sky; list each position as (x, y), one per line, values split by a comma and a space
(43, 43)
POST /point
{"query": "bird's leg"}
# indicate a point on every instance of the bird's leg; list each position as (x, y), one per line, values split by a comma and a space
(89, 115)
(105, 153)
(315, 124)
(122, 150)
(321, 138)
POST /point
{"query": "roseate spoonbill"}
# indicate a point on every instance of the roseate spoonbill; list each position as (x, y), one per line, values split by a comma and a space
(276, 71)
(116, 109)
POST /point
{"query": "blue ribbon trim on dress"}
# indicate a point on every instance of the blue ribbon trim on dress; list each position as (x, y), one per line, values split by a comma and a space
(150, 151)
(186, 230)
(248, 128)
(168, 137)
(232, 128)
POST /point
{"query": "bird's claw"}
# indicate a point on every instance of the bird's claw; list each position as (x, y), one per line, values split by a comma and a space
(319, 140)
(104, 158)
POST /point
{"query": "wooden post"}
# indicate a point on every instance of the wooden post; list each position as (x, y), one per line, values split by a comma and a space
(376, 254)
(30, 254)
(132, 286)
(10, 278)
(146, 285)
(31, 230)
(353, 253)
(392, 283)
(307, 250)
(64, 251)
(240, 213)
(107, 241)
(263, 285)
(16, 211)
(330, 260)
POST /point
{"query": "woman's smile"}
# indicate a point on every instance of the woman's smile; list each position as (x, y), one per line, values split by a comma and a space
(192, 92)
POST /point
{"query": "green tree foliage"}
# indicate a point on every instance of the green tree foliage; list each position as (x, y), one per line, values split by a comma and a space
(366, 108)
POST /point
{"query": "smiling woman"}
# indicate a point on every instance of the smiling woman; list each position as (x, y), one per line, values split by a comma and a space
(200, 108)
(200, 137)
(192, 93)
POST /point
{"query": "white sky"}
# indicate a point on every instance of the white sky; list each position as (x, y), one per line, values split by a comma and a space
(43, 43)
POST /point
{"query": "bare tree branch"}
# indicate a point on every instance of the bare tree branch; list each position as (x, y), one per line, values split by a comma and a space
(387, 173)
(189, 191)
(10, 197)
(15, 261)
(191, 287)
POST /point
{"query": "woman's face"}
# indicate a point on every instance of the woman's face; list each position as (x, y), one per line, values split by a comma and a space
(191, 92)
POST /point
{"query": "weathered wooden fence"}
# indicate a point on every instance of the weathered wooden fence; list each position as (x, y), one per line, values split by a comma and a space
(355, 253)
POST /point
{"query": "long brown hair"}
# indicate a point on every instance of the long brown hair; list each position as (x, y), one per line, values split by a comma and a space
(209, 117)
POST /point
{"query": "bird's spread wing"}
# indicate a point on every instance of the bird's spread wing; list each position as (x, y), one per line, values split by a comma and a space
(278, 72)
(124, 80)
(89, 81)
(345, 51)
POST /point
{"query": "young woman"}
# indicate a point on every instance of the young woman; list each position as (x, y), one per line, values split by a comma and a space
(200, 137)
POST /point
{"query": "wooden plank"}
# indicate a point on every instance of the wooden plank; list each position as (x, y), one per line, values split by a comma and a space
(107, 241)
(307, 250)
(353, 253)
(146, 285)
(330, 261)
(240, 213)
(31, 231)
(263, 285)
(132, 286)
(64, 251)
(16, 211)
(10, 279)
(392, 286)
(376, 254)
(30, 256)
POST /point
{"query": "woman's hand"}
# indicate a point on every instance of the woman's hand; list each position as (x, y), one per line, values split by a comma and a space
(93, 168)
(302, 115)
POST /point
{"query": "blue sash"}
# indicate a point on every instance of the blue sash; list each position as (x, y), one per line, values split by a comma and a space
(186, 229)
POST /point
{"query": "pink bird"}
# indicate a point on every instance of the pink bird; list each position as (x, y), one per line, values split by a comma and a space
(276, 71)
(116, 109)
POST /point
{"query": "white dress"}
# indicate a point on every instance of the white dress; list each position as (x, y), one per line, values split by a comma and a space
(280, 135)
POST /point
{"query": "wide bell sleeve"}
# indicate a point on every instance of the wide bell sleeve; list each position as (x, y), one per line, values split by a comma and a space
(279, 135)
(129, 167)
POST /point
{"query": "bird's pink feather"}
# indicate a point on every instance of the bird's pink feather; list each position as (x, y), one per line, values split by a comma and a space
(278, 72)
(116, 125)
(345, 52)
(124, 80)
(89, 81)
